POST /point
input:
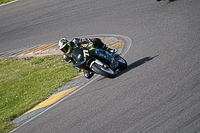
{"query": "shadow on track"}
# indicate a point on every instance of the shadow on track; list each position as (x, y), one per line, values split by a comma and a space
(171, 1)
(135, 64)
(132, 66)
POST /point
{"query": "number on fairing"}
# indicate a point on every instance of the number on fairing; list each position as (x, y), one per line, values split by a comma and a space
(86, 53)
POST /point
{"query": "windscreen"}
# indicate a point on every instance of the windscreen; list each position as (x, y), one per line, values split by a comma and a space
(77, 55)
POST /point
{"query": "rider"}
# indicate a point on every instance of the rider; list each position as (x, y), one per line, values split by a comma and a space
(67, 47)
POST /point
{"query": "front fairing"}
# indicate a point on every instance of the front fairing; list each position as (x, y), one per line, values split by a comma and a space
(78, 56)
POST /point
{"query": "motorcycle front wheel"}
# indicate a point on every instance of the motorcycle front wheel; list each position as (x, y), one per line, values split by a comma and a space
(122, 63)
(103, 70)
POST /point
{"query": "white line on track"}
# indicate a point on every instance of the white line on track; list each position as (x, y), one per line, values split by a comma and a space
(9, 3)
(128, 42)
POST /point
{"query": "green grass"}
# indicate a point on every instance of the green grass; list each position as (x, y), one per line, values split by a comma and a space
(26, 82)
(5, 1)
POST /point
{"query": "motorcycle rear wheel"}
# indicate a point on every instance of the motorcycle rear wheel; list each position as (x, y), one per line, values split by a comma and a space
(107, 72)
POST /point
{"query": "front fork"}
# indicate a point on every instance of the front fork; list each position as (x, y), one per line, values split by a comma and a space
(115, 62)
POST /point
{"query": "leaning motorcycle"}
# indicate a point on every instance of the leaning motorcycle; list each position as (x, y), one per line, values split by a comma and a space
(98, 61)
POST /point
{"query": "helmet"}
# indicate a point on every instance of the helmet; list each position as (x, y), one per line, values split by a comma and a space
(64, 45)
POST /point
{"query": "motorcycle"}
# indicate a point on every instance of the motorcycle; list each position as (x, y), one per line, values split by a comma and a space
(98, 61)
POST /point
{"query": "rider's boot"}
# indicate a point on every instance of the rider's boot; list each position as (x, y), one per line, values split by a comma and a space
(113, 50)
(109, 49)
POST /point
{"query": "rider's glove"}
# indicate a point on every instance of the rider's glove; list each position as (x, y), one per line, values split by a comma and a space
(66, 58)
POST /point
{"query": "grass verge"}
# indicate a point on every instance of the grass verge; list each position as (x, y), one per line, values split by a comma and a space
(5, 1)
(26, 82)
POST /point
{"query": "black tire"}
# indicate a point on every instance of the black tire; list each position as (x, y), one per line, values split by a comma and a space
(122, 63)
(104, 72)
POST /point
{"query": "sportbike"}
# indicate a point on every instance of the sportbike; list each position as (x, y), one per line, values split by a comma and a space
(98, 61)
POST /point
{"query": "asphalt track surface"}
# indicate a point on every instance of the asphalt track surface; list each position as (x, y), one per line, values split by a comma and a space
(160, 89)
